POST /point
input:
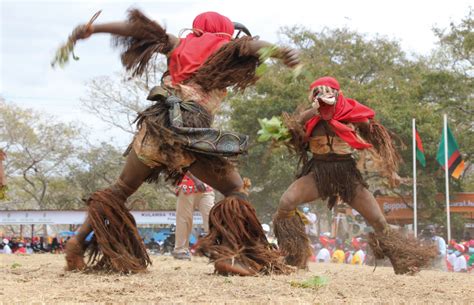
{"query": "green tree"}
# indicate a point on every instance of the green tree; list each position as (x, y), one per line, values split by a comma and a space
(101, 165)
(39, 151)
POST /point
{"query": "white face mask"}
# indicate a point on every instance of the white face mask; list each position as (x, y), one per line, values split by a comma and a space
(325, 94)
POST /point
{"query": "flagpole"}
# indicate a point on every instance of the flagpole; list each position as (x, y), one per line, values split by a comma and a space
(446, 171)
(415, 218)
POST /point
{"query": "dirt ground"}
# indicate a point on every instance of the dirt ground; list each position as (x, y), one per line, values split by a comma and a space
(40, 278)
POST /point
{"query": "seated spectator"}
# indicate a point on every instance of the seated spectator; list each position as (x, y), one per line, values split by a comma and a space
(338, 256)
(358, 258)
(323, 256)
(460, 263)
(470, 262)
(348, 254)
(29, 249)
(36, 245)
(6, 247)
(21, 249)
(55, 246)
(153, 245)
(450, 259)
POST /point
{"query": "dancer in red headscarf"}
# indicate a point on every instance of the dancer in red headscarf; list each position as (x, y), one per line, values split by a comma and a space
(175, 136)
(331, 130)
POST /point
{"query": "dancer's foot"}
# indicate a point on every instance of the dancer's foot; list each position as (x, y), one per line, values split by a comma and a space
(233, 267)
(407, 255)
(181, 255)
(294, 244)
(74, 255)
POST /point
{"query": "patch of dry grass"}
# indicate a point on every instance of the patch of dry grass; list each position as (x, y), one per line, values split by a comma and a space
(40, 278)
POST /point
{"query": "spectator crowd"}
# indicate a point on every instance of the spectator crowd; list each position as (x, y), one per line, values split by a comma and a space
(30, 245)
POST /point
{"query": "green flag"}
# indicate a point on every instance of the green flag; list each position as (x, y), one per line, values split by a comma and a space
(420, 152)
(455, 161)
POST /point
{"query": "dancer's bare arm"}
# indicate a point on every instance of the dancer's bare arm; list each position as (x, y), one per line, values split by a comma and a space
(300, 191)
(289, 56)
(121, 28)
(308, 114)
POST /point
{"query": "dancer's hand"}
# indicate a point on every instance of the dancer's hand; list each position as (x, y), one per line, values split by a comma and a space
(289, 56)
(82, 31)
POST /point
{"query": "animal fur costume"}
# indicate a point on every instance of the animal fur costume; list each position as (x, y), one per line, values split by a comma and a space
(337, 177)
(174, 133)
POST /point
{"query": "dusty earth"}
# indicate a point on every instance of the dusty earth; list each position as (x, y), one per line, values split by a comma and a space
(40, 279)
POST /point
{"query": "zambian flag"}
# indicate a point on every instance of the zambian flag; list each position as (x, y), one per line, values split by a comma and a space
(420, 152)
(455, 161)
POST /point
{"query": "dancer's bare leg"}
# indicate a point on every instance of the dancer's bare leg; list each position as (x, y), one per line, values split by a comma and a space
(365, 203)
(225, 184)
(132, 176)
(302, 190)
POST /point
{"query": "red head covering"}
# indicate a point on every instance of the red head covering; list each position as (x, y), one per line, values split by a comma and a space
(355, 243)
(466, 245)
(345, 110)
(210, 31)
(325, 81)
(459, 247)
(324, 240)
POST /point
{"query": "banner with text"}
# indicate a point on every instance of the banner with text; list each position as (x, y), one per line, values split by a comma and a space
(78, 217)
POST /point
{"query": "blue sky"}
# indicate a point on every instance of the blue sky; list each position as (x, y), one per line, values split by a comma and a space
(30, 31)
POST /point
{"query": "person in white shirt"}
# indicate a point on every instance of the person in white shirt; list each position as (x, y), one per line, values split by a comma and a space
(311, 228)
(451, 258)
(460, 263)
(440, 261)
(323, 256)
(6, 247)
(358, 258)
(349, 257)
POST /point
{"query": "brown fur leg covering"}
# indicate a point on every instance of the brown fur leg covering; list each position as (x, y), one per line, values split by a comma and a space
(236, 241)
(116, 245)
(405, 253)
(292, 239)
(74, 255)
